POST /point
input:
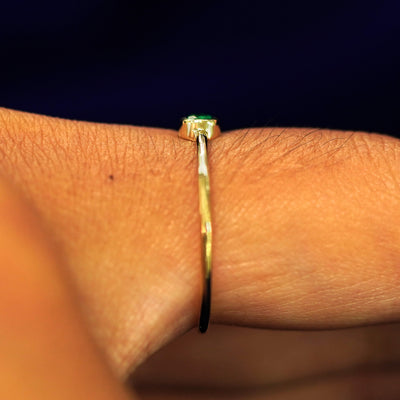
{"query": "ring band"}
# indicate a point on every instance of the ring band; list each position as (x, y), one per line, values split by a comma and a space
(202, 128)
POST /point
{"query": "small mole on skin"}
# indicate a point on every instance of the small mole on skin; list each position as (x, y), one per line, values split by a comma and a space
(111, 177)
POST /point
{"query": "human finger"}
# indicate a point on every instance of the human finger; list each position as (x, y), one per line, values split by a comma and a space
(256, 363)
(304, 225)
(46, 349)
(313, 239)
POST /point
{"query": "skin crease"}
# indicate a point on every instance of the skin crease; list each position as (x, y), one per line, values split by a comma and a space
(304, 235)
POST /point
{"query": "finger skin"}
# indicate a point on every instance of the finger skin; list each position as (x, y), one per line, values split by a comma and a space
(306, 231)
(46, 349)
(242, 362)
(318, 217)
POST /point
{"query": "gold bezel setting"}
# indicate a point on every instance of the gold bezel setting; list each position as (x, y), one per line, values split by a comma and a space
(194, 125)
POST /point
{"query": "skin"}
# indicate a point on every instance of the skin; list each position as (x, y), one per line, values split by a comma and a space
(100, 263)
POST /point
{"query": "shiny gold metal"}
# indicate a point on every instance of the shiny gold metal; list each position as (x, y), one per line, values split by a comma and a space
(193, 125)
(201, 129)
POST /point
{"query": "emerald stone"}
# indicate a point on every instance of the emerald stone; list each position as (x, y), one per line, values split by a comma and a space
(200, 117)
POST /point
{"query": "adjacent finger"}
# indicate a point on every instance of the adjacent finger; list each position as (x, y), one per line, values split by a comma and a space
(46, 350)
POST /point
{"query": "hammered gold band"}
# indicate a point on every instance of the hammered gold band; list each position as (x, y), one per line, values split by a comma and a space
(201, 129)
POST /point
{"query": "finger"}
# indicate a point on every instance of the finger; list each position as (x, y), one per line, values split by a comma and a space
(112, 201)
(46, 351)
(311, 236)
(249, 362)
(305, 232)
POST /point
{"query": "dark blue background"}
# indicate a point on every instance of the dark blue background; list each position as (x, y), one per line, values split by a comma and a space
(334, 65)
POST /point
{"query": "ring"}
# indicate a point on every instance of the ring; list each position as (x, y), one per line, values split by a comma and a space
(201, 128)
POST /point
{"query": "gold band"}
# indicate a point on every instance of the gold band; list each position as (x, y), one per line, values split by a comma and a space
(201, 129)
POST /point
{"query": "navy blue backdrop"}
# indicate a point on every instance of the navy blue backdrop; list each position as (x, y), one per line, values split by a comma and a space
(334, 65)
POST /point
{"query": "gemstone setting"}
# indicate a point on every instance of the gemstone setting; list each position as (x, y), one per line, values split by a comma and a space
(194, 125)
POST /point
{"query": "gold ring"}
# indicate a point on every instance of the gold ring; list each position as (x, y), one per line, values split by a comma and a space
(201, 128)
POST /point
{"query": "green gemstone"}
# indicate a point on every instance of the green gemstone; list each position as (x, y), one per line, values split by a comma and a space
(204, 116)
(200, 117)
